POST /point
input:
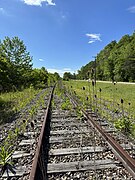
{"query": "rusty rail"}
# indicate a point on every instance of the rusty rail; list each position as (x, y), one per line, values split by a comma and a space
(40, 140)
(122, 155)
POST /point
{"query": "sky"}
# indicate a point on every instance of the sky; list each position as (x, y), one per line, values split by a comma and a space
(64, 35)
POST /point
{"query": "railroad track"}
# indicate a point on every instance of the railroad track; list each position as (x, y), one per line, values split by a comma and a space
(23, 146)
(70, 147)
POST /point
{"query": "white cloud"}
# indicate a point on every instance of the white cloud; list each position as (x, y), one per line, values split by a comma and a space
(67, 69)
(41, 60)
(91, 41)
(61, 71)
(93, 37)
(132, 9)
(38, 2)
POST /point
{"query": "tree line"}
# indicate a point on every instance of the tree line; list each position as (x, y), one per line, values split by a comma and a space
(16, 68)
(116, 62)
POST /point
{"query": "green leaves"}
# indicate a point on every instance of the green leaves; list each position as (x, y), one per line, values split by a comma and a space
(5, 156)
(124, 124)
(66, 105)
(116, 62)
(15, 63)
(16, 70)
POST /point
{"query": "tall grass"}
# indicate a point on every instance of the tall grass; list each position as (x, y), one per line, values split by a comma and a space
(109, 92)
(108, 99)
(13, 102)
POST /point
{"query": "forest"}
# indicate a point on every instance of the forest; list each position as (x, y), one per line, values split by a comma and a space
(16, 68)
(116, 62)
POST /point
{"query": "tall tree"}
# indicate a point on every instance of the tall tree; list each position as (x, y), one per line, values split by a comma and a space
(18, 59)
(67, 76)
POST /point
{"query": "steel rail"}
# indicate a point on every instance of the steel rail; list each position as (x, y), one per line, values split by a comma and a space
(122, 155)
(40, 140)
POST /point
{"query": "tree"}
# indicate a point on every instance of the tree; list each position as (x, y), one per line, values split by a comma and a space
(83, 72)
(105, 64)
(115, 62)
(16, 67)
(57, 76)
(4, 74)
(67, 76)
(18, 60)
(51, 79)
(15, 51)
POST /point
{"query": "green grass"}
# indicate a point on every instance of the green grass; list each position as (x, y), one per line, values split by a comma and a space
(18, 100)
(108, 101)
(109, 92)
(13, 102)
(66, 105)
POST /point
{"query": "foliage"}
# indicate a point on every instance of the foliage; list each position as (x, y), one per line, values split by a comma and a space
(79, 113)
(84, 72)
(68, 75)
(16, 70)
(66, 105)
(124, 124)
(5, 156)
(15, 63)
(52, 78)
(116, 62)
(108, 101)
(13, 102)
(10, 136)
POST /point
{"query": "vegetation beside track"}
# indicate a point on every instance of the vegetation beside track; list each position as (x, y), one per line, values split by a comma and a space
(27, 104)
(13, 102)
(113, 101)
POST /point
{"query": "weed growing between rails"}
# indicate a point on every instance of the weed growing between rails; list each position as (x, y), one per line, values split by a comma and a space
(66, 105)
(5, 158)
(108, 100)
(65, 102)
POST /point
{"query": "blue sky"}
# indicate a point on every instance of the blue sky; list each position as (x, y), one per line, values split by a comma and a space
(64, 35)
